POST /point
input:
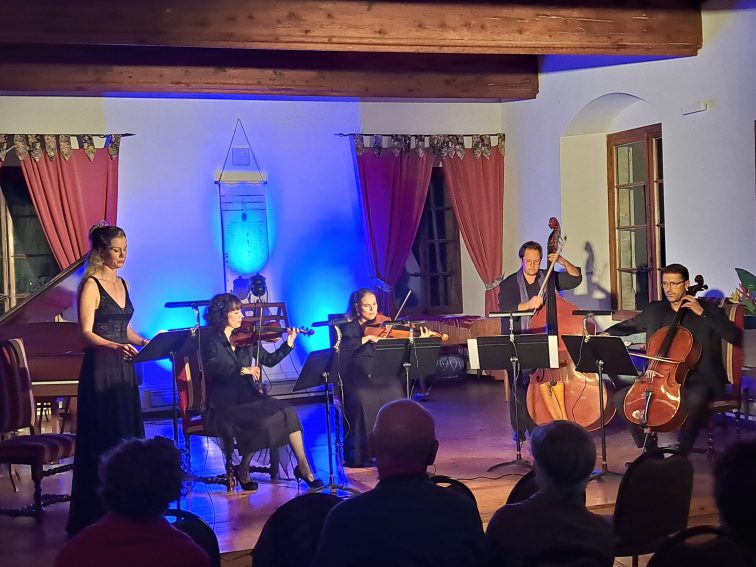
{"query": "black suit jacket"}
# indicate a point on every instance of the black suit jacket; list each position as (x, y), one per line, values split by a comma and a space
(707, 329)
(227, 386)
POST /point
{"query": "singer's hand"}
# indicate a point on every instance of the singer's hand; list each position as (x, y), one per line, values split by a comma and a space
(127, 351)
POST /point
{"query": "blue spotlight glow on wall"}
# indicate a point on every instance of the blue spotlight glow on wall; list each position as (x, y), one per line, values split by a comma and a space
(244, 222)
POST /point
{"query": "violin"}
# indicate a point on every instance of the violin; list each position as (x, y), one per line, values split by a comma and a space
(252, 332)
(376, 328)
(654, 400)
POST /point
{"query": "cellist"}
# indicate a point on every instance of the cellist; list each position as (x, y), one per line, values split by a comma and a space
(709, 325)
(520, 292)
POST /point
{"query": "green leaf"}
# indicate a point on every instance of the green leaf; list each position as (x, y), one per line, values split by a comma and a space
(747, 279)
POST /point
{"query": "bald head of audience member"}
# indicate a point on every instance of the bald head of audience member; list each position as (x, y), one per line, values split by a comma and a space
(403, 439)
(565, 455)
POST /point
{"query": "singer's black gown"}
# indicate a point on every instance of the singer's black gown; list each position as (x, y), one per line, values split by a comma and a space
(365, 391)
(108, 408)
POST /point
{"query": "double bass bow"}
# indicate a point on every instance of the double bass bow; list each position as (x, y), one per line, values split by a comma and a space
(563, 392)
(654, 400)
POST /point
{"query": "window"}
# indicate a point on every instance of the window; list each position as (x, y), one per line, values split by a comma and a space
(26, 258)
(432, 270)
(636, 216)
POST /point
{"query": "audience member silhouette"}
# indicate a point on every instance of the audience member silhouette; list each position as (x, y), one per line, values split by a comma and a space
(556, 516)
(138, 480)
(735, 492)
(406, 520)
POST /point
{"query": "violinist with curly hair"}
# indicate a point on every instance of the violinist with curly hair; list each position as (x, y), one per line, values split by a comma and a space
(237, 410)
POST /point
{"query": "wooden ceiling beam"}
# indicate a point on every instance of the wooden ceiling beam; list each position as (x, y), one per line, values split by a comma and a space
(84, 71)
(639, 27)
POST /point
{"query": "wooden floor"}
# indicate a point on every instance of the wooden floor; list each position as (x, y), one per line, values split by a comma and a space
(474, 433)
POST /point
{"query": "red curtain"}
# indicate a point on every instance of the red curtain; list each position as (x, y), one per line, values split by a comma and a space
(70, 196)
(476, 189)
(393, 188)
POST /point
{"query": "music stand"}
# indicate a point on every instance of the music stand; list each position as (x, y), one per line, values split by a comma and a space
(414, 358)
(494, 353)
(164, 345)
(602, 354)
(317, 371)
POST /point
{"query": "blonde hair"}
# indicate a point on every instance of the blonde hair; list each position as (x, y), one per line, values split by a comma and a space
(100, 237)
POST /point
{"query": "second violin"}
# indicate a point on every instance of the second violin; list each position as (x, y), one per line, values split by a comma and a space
(384, 327)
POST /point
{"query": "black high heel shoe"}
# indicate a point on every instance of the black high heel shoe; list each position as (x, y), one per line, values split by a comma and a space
(247, 485)
(314, 483)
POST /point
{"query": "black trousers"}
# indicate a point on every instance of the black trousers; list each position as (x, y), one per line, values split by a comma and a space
(696, 396)
(518, 397)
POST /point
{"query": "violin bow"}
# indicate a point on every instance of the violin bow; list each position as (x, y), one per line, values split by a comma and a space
(542, 291)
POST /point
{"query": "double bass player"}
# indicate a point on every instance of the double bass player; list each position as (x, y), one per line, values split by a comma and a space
(708, 325)
(520, 292)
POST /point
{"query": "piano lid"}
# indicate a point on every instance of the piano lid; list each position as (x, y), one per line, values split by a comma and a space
(58, 297)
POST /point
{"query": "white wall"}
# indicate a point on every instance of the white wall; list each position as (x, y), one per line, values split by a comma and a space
(708, 157)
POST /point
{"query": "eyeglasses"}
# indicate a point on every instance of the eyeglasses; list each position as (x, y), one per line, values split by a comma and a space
(672, 284)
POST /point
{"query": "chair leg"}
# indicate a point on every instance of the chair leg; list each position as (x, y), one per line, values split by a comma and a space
(11, 473)
(275, 462)
(710, 437)
(737, 425)
(188, 450)
(36, 471)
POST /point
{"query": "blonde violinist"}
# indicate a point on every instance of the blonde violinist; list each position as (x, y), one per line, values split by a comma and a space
(365, 388)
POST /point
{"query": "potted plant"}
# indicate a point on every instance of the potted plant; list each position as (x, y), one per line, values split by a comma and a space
(746, 296)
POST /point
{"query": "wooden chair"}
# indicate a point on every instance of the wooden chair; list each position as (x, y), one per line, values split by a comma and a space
(199, 530)
(454, 485)
(192, 388)
(732, 358)
(701, 546)
(36, 450)
(524, 488)
(290, 535)
(653, 502)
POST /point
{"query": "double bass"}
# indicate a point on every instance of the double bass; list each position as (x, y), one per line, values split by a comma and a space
(654, 400)
(563, 392)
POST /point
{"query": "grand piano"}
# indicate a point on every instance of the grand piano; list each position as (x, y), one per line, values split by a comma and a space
(47, 322)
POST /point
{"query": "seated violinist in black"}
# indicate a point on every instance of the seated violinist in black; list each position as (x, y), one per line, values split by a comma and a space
(237, 410)
(709, 325)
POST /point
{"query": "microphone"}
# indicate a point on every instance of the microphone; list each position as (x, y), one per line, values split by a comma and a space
(588, 312)
(331, 323)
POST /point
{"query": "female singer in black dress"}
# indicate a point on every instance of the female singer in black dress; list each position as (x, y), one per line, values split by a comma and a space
(365, 391)
(108, 397)
(237, 410)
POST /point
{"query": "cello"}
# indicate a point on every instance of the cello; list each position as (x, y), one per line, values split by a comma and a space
(654, 400)
(563, 392)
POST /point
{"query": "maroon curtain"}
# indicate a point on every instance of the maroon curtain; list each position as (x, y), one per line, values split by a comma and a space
(476, 189)
(70, 196)
(393, 189)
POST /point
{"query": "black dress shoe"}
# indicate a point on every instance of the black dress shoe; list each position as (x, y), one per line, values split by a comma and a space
(314, 483)
(248, 485)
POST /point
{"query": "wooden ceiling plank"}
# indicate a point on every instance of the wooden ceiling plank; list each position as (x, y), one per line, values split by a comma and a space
(99, 79)
(644, 27)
